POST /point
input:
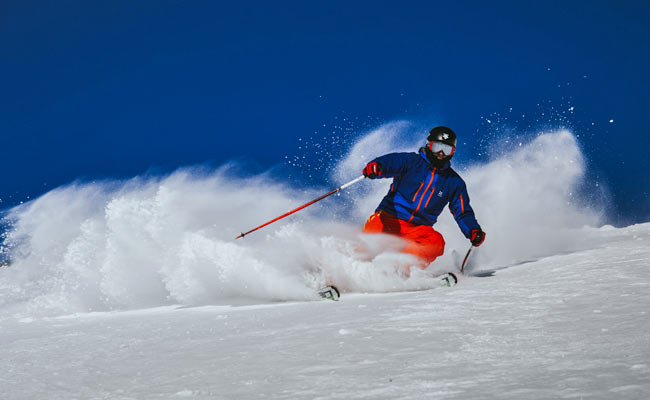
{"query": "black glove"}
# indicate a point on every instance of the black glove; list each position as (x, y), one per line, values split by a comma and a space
(477, 237)
(372, 170)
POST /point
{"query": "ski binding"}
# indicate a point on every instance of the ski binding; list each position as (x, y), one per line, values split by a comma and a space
(448, 279)
(330, 292)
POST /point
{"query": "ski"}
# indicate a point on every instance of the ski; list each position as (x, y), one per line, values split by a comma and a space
(330, 293)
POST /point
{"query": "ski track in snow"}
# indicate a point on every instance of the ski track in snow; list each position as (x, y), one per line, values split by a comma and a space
(566, 326)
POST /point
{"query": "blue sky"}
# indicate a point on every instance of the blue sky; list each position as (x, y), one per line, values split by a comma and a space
(95, 90)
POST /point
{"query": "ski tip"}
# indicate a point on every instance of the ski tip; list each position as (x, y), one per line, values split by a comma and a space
(483, 274)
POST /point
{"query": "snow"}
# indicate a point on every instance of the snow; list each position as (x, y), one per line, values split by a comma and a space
(138, 290)
(564, 326)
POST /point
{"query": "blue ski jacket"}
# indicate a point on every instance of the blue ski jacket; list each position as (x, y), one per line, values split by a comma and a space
(420, 191)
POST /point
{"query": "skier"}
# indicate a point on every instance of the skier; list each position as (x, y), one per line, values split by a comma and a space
(423, 183)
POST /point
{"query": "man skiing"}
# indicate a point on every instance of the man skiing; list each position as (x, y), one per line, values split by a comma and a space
(423, 183)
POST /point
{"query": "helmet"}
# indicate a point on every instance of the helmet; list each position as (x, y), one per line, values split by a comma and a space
(442, 134)
(440, 139)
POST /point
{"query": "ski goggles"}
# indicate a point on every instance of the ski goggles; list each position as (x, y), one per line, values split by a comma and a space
(439, 146)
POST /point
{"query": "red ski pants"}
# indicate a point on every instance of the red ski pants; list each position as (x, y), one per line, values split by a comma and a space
(421, 240)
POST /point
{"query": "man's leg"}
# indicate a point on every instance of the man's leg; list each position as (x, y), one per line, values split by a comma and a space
(420, 240)
(382, 222)
(425, 243)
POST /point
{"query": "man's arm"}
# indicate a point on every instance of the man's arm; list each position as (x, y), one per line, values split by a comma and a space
(464, 215)
(388, 166)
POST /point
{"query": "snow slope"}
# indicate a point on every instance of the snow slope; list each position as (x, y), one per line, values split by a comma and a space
(566, 326)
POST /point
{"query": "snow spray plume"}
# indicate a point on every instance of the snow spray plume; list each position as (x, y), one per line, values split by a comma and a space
(154, 241)
(531, 199)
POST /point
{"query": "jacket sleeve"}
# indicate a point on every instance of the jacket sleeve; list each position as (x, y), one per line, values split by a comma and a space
(462, 211)
(394, 164)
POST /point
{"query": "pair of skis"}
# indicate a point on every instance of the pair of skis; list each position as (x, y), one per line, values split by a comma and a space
(333, 293)
(448, 279)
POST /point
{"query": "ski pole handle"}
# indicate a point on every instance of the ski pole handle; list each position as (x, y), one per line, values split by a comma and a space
(352, 182)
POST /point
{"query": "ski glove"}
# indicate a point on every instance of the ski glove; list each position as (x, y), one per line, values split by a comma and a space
(477, 237)
(372, 170)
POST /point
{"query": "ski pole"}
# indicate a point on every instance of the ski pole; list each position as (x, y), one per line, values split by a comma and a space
(462, 267)
(338, 189)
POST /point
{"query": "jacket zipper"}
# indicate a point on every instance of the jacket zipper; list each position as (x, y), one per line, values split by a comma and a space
(433, 174)
(416, 193)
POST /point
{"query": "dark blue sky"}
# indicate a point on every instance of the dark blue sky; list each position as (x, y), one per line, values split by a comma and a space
(116, 88)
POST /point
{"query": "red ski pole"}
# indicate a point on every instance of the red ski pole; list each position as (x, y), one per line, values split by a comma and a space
(338, 189)
(462, 267)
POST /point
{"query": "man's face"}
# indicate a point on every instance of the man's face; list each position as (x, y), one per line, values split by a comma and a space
(441, 150)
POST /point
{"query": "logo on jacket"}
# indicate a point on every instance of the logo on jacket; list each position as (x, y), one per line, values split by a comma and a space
(440, 193)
